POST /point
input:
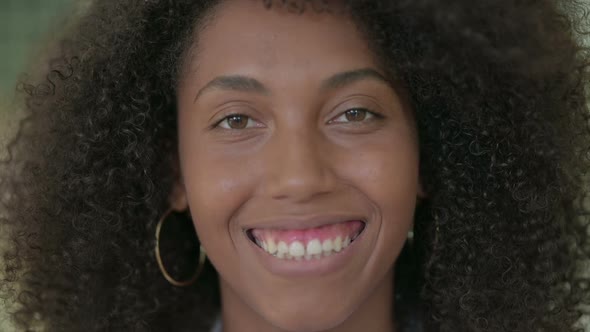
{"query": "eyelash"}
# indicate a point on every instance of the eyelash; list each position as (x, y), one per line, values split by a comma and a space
(373, 116)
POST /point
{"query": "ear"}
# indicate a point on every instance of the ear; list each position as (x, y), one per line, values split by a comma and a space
(177, 198)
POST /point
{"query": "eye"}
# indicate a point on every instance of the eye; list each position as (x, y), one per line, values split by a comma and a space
(236, 121)
(355, 115)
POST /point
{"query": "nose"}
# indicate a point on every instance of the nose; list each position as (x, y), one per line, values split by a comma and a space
(299, 166)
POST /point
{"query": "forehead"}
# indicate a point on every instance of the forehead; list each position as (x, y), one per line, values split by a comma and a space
(245, 37)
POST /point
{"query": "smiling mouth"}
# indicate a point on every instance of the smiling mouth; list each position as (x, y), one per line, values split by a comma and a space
(312, 243)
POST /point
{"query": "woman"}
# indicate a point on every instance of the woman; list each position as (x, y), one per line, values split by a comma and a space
(249, 165)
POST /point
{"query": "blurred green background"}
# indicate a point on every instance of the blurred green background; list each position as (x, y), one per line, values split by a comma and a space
(24, 25)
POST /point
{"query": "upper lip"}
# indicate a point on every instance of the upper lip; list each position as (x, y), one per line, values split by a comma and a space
(303, 222)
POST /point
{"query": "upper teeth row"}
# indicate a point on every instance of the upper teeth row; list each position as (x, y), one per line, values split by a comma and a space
(297, 250)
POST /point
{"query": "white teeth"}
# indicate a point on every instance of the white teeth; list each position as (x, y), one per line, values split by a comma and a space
(346, 242)
(327, 245)
(338, 244)
(314, 247)
(282, 249)
(296, 249)
(271, 247)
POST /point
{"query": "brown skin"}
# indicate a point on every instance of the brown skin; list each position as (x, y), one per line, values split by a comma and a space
(299, 155)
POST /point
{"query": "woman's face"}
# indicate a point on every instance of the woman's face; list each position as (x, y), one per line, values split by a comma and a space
(291, 136)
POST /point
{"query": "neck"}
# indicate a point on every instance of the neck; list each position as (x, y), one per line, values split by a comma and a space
(375, 314)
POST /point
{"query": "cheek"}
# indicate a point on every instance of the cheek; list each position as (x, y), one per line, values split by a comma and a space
(215, 190)
(388, 175)
(387, 172)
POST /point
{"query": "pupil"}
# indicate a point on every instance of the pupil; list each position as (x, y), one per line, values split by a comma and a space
(237, 122)
(355, 115)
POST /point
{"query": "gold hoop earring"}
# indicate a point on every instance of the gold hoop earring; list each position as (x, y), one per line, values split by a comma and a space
(202, 258)
(410, 238)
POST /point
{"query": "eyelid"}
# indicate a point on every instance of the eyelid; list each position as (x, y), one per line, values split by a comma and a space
(358, 101)
(233, 108)
(217, 124)
(373, 115)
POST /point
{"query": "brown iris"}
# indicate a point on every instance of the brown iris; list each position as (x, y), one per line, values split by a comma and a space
(237, 121)
(355, 115)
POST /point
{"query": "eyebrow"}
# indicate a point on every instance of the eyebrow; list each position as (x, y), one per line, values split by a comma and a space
(348, 77)
(250, 85)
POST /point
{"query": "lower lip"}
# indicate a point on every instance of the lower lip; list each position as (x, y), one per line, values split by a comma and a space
(307, 268)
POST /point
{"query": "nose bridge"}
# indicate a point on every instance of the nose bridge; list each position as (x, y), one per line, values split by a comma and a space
(298, 165)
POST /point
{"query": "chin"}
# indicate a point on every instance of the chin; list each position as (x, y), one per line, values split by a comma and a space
(308, 318)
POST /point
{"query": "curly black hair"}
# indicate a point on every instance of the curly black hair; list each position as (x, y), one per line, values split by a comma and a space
(499, 90)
